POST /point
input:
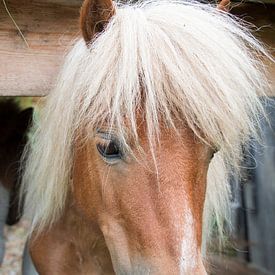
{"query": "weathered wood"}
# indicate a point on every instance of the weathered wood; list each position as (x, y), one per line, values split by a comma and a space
(263, 17)
(50, 26)
(49, 29)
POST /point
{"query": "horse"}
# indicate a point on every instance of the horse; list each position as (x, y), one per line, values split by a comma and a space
(14, 124)
(128, 168)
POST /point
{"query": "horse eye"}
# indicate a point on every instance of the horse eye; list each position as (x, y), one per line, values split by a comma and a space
(109, 150)
(213, 153)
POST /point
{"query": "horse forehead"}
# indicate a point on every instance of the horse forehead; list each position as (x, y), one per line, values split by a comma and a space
(169, 140)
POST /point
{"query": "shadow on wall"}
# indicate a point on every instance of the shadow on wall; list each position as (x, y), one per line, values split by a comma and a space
(14, 124)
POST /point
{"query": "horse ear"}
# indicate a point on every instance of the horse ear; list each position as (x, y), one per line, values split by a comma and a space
(224, 5)
(94, 16)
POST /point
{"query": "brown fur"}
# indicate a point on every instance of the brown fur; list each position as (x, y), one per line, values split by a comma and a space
(125, 217)
(149, 211)
(72, 246)
(94, 15)
(224, 5)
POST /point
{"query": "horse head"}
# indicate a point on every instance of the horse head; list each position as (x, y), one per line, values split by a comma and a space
(135, 146)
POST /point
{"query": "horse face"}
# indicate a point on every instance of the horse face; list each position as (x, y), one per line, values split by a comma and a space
(149, 208)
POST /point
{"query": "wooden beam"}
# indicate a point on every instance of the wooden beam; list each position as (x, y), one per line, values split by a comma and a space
(49, 28)
(263, 17)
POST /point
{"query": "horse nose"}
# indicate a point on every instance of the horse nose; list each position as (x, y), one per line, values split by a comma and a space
(200, 270)
(194, 266)
(165, 264)
(190, 268)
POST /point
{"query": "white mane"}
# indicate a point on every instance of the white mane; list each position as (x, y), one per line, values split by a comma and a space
(192, 62)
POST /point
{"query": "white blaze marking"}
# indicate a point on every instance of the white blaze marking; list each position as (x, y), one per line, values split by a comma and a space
(188, 260)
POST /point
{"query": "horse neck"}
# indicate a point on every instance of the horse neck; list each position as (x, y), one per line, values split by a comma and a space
(79, 245)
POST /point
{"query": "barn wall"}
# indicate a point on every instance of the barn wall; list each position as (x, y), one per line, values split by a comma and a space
(262, 16)
(254, 204)
(260, 197)
(50, 26)
(49, 29)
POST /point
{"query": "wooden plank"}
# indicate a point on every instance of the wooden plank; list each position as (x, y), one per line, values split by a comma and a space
(49, 29)
(50, 26)
(76, 3)
(257, 2)
(263, 17)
